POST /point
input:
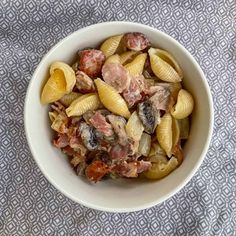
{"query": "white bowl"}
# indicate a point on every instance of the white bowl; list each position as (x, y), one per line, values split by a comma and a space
(117, 195)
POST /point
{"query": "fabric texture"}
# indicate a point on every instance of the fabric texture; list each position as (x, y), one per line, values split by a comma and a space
(30, 205)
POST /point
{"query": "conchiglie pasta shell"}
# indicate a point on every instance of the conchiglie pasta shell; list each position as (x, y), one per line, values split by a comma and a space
(67, 99)
(164, 66)
(113, 59)
(87, 102)
(184, 128)
(110, 45)
(136, 66)
(54, 88)
(52, 115)
(68, 73)
(111, 99)
(164, 133)
(175, 132)
(134, 127)
(128, 56)
(161, 168)
(184, 105)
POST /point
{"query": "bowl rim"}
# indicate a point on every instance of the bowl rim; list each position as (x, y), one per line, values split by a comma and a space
(183, 182)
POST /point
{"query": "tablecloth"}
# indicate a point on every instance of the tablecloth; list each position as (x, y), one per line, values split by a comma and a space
(30, 205)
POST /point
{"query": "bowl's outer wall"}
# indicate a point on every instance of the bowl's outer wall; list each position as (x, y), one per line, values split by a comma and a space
(120, 195)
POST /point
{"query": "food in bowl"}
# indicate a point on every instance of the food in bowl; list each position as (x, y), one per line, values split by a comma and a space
(120, 110)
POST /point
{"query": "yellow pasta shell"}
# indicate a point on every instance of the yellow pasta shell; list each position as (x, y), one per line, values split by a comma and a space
(161, 168)
(164, 133)
(175, 132)
(110, 45)
(164, 66)
(84, 103)
(111, 99)
(134, 127)
(113, 59)
(54, 88)
(184, 105)
(136, 66)
(52, 115)
(67, 99)
(127, 56)
(68, 73)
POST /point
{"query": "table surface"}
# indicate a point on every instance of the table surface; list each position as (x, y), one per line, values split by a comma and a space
(30, 205)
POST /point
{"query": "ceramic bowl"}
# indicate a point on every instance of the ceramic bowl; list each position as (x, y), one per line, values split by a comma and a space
(116, 195)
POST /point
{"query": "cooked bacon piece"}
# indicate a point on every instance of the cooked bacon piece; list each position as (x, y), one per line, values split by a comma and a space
(68, 151)
(99, 122)
(96, 170)
(91, 61)
(58, 107)
(119, 152)
(61, 141)
(135, 91)
(84, 83)
(131, 169)
(115, 75)
(77, 144)
(136, 41)
(118, 123)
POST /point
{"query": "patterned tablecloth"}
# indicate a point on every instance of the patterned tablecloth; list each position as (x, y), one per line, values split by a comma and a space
(29, 205)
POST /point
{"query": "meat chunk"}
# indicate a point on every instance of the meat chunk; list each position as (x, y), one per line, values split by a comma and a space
(161, 100)
(131, 169)
(149, 117)
(89, 136)
(99, 122)
(135, 92)
(61, 141)
(91, 61)
(84, 83)
(115, 75)
(119, 152)
(136, 41)
(118, 123)
(96, 170)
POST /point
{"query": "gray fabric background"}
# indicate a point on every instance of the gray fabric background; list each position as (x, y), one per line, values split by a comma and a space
(29, 205)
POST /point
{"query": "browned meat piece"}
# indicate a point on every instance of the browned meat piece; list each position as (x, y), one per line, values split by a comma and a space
(84, 83)
(96, 170)
(91, 61)
(116, 76)
(89, 136)
(131, 169)
(61, 141)
(136, 41)
(68, 151)
(118, 123)
(149, 117)
(99, 122)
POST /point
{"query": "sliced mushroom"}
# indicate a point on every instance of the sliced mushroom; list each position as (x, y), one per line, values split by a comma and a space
(149, 117)
(89, 136)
